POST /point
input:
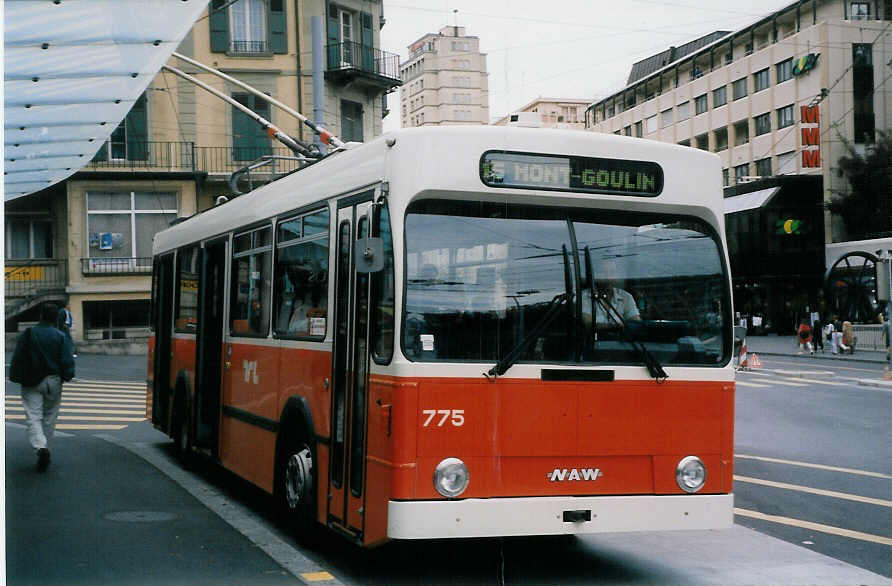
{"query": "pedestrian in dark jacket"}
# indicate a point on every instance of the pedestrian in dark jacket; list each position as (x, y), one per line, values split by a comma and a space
(41, 361)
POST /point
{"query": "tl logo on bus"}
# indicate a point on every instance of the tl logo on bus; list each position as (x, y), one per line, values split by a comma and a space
(574, 474)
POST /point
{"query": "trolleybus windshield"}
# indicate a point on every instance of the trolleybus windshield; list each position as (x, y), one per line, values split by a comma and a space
(480, 276)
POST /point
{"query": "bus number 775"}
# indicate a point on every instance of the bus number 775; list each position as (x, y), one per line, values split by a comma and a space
(457, 416)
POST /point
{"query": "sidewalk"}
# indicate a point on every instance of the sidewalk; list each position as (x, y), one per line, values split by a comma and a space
(788, 346)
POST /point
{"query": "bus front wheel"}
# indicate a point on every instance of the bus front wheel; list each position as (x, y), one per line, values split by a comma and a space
(296, 478)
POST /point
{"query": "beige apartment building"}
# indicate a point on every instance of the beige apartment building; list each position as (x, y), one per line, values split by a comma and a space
(566, 113)
(775, 101)
(444, 80)
(88, 240)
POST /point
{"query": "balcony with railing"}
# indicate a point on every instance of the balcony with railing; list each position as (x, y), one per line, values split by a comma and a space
(354, 62)
(27, 283)
(116, 265)
(185, 157)
(141, 155)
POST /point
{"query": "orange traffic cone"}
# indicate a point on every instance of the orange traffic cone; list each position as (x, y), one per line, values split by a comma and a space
(886, 374)
(741, 360)
(755, 362)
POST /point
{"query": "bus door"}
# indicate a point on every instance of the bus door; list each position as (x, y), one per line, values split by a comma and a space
(350, 374)
(209, 351)
(162, 317)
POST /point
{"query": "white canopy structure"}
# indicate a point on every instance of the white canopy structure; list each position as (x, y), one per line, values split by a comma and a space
(73, 70)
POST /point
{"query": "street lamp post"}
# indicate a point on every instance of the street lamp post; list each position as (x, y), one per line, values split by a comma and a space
(884, 293)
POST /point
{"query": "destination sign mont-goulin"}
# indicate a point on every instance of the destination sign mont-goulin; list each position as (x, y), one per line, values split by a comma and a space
(571, 173)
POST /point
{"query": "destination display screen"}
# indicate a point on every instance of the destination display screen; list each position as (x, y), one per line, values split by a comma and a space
(571, 173)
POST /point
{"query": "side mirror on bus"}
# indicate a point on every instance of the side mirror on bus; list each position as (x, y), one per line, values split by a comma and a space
(369, 255)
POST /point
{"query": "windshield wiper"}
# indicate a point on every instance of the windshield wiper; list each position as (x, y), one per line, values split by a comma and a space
(654, 368)
(554, 309)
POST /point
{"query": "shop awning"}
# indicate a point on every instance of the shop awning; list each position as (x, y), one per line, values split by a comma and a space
(749, 201)
(72, 72)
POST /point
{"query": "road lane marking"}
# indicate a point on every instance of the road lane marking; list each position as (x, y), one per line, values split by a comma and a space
(87, 426)
(825, 382)
(834, 367)
(755, 385)
(317, 576)
(787, 383)
(75, 397)
(810, 490)
(76, 418)
(814, 526)
(109, 383)
(96, 411)
(811, 465)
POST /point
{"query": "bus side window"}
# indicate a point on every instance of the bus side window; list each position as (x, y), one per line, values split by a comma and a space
(383, 291)
(302, 276)
(249, 311)
(186, 318)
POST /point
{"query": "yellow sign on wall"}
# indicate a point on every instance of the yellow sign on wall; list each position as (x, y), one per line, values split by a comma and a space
(23, 273)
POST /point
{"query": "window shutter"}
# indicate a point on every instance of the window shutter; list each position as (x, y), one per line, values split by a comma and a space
(249, 140)
(137, 131)
(367, 42)
(278, 37)
(219, 24)
(334, 37)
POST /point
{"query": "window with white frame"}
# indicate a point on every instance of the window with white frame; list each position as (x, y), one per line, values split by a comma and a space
(739, 88)
(741, 132)
(650, 124)
(720, 96)
(786, 163)
(860, 11)
(785, 116)
(721, 138)
(684, 111)
(763, 167)
(28, 238)
(784, 70)
(247, 25)
(701, 104)
(122, 224)
(740, 172)
(667, 118)
(761, 80)
(762, 123)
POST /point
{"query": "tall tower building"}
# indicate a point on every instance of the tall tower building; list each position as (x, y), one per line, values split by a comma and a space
(444, 80)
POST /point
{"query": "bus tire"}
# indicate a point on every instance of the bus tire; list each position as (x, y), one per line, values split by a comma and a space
(180, 427)
(296, 480)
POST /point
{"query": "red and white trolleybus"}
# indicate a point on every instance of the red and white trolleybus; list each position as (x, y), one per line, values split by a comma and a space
(460, 332)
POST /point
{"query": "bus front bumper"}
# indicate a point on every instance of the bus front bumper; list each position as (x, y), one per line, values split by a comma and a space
(557, 515)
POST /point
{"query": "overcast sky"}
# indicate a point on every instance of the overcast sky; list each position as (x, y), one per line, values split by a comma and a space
(561, 48)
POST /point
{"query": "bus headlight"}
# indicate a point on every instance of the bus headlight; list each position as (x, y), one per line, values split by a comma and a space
(451, 477)
(690, 474)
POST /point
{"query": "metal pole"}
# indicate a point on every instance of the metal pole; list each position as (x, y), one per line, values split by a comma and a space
(318, 29)
(887, 267)
(271, 129)
(326, 136)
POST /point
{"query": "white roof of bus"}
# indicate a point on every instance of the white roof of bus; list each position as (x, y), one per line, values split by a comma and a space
(447, 159)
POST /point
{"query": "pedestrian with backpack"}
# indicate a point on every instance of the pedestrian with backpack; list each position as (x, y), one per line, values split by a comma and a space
(42, 360)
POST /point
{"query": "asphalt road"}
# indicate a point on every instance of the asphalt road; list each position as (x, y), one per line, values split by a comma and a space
(814, 453)
(117, 508)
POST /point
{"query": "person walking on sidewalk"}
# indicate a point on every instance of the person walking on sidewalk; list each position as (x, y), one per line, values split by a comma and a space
(42, 360)
(804, 334)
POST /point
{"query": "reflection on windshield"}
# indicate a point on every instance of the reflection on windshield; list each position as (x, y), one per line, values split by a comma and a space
(480, 277)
